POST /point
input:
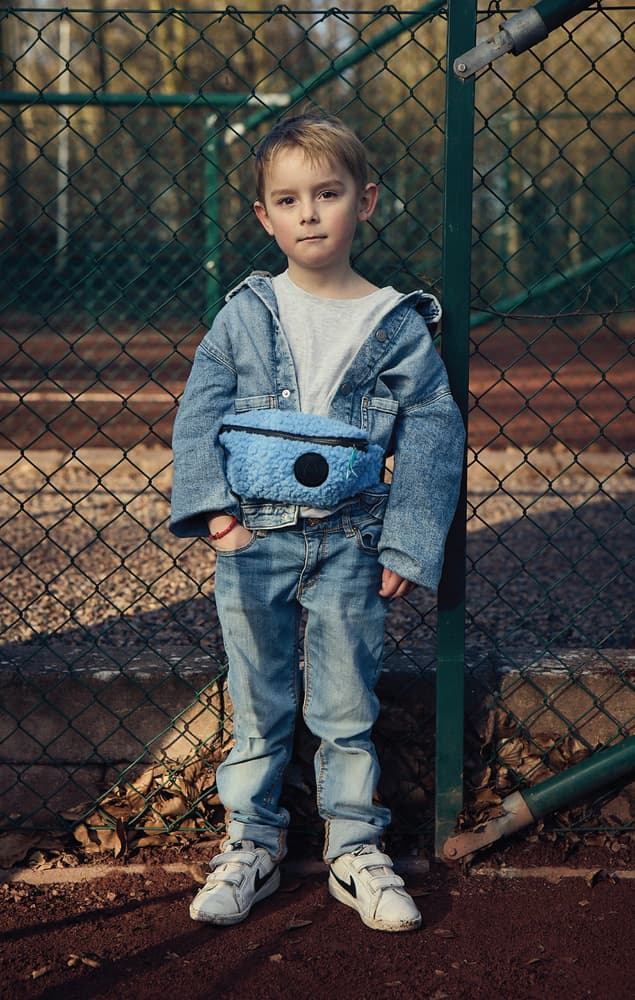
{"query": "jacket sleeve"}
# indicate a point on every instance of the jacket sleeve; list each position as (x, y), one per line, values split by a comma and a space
(199, 482)
(428, 466)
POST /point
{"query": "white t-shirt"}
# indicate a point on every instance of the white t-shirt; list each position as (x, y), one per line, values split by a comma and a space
(324, 336)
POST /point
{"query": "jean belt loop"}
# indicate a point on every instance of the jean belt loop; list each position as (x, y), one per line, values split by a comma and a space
(347, 523)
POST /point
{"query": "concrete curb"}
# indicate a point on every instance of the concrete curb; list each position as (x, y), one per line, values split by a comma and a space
(89, 873)
(302, 869)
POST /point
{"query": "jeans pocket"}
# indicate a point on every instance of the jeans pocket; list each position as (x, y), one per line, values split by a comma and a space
(241, 548)
(367, 518)
(373, 502)
(368, 534)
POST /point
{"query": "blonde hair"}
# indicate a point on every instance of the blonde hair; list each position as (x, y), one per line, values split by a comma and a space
(320, 136)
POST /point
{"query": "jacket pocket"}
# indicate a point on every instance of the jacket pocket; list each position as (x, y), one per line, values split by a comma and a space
(378, 420)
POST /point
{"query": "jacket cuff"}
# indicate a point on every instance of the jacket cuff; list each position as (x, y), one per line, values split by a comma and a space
(192, 523)
(410, 569)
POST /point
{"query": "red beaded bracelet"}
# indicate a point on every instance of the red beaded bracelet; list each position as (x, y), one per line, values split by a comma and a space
(221, 534)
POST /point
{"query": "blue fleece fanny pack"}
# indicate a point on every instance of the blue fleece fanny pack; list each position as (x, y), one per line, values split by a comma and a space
(300, 458)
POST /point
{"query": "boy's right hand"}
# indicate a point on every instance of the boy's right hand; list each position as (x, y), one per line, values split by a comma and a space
(237, 538)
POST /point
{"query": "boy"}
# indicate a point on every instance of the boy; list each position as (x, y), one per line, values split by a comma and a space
(303, 385)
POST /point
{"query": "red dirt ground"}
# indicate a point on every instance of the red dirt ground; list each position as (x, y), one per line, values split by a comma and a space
(484, 938)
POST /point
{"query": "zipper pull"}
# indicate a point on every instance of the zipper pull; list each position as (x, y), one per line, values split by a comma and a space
(350, 470)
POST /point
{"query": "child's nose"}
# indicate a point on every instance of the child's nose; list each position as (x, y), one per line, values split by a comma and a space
(308, 211)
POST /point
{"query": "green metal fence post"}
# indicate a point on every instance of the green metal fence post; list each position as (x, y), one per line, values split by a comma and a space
(457, 246)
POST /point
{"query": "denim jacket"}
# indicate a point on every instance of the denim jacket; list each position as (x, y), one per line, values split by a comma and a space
(396, 389)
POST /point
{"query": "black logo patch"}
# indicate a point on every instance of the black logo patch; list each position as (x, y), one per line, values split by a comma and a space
(349, 886)
(311, 469)
(262, 881)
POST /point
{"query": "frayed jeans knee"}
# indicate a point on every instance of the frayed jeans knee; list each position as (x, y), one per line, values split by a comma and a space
(330, 568)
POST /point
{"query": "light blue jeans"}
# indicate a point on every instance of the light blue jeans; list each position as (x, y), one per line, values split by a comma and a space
(330, 568)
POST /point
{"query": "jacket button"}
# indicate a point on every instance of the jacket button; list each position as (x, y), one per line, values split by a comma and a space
(286, 393)
(345, 388)
(380, 336)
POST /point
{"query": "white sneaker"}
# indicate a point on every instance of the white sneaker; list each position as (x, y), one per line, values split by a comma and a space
(241, 875)
(366, 881)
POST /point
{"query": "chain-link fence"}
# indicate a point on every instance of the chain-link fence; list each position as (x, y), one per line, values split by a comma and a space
(126, 148)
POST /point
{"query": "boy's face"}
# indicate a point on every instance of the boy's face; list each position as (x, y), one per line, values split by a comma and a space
(312, 210)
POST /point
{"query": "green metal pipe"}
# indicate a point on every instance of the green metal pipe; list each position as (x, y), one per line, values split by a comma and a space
(141, 98)
(506, 306)
(602, 769)
(556, 12)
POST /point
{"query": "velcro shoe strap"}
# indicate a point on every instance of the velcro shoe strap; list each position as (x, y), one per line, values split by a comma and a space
(231, 878)
(386, 882)
(371, 861)
(233, 858)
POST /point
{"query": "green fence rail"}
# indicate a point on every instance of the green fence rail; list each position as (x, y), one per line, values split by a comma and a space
(126, 141)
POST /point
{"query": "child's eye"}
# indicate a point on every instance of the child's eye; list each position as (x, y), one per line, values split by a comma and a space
(287, 200)
(329, 194)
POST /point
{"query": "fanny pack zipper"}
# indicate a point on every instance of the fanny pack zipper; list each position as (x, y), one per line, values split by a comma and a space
(361, 444)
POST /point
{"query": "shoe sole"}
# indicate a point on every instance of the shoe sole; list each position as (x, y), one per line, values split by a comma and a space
(376, 925)
(226, 920)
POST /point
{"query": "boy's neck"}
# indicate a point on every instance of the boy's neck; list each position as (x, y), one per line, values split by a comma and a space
(342, 284)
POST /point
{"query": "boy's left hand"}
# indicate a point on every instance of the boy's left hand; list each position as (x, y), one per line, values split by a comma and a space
(393, 585)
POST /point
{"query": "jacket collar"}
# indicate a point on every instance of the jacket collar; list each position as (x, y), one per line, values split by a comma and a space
(260, 283)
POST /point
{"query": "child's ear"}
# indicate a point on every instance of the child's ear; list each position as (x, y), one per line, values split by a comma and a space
(263, 218)
(367, 202)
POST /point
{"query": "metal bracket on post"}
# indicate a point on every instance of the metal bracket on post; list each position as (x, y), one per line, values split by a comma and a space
(518, 34)
(602, 769)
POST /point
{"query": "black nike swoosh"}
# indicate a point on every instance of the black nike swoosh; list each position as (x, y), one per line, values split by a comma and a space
(262, 881)
(349, 886)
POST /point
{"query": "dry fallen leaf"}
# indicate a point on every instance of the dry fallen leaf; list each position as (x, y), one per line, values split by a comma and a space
(164, 794)
(198, 873)
(36, 973)
(296, 923)
(91, 961)
(510, 752)
(16, 845)
(601, 875)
